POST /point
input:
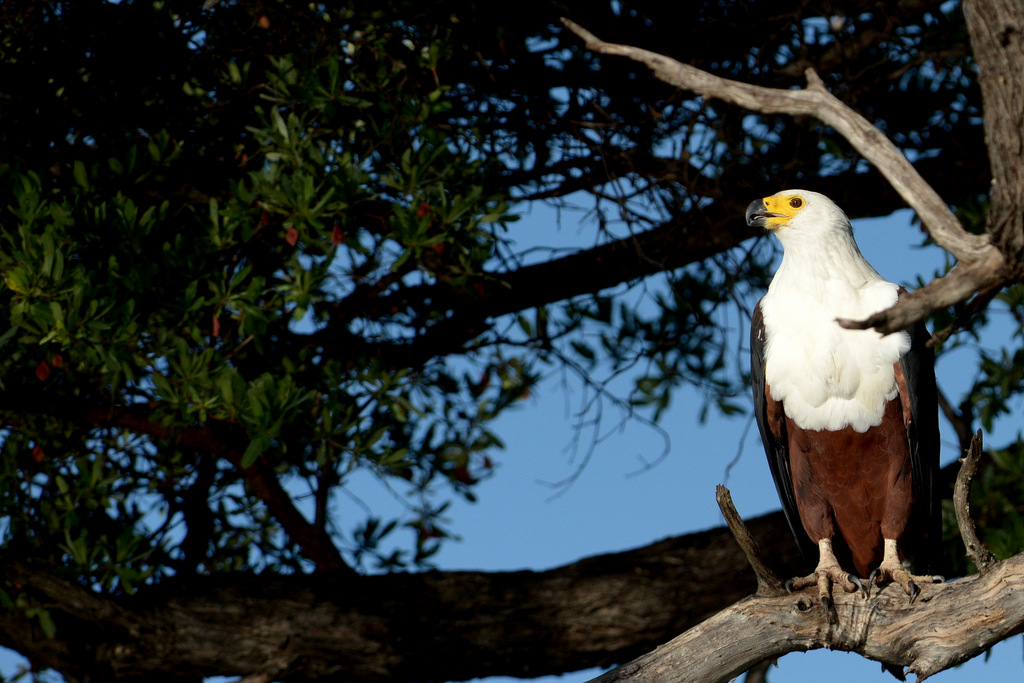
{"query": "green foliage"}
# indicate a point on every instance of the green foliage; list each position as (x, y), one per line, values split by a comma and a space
(154, 328)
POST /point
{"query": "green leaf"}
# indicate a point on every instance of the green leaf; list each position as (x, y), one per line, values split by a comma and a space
(81, 177)
(254, 450)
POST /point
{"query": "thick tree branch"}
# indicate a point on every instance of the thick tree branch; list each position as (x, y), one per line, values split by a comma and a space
(937, 634)
(394, 628)
(981, 264)
(950, 624)
(682, 240)
(966, 279)
(996, 28)
(458, 625)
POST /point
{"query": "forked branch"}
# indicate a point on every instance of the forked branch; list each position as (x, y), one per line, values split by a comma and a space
(981, 264)
(949, 624)
(976, 550)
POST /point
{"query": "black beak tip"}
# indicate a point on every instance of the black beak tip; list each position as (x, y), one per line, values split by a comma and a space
(755, 211)
(757, 215)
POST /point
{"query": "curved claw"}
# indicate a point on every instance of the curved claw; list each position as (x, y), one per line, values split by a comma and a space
(830, 608)
(895, 670)
(871, 578)
(855, 580)
(827, 574)
(904, 578)
(912, 590)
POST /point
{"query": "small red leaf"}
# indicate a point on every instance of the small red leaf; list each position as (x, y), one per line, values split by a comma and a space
(264, 217)
(215, 332)
(38, 453)
(42, 371)
(57, 360)
(423, 210)
(264, 22)
(462, 475)
(292, 236)
(337, 236)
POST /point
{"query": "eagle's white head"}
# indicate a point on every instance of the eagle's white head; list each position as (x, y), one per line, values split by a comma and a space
(800, 217)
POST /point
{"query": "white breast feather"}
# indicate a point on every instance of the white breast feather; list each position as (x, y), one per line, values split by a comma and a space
(826, 376)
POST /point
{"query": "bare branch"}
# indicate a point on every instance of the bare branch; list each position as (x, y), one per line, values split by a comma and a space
(950, 624)
(963, 318)
(958, 285)
(976, 550)
(816, 101)
(767, 582)
(981, 264)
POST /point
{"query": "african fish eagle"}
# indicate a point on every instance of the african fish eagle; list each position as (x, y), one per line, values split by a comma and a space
(848, 418)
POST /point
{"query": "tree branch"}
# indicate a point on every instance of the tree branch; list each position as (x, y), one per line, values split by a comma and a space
(958, 285)
(996, 29)
(950, 624)
(767, 582)
(981, 264)
(681, 240)
(976, 550)
(212, 439)
(396, 628)
(596, 612)
(933, 636)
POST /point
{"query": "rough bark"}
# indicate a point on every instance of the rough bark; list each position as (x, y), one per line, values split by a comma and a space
(598, 611)
(996, 28)
(926, 636)
(949, 624)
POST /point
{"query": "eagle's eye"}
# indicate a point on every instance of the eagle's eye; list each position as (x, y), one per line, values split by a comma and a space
(796, 202)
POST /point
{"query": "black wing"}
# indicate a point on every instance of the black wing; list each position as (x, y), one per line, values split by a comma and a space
(924, 529)
(772, 424)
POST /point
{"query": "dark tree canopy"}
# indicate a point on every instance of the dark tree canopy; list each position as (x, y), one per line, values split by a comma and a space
(252, 247)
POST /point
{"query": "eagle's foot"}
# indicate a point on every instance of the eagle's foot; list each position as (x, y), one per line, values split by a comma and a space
(897, 574)
(826, 575)
(892, 571)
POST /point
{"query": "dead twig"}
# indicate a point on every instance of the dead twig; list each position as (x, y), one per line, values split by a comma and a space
(976, 550)
(767, 583)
